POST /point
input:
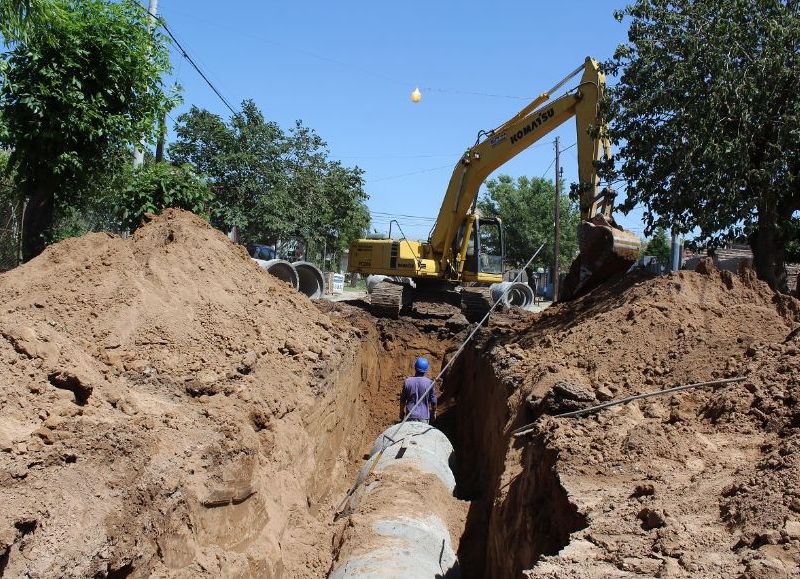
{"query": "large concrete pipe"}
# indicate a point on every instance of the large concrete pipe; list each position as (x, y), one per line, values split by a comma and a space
(281, 269)
(398, 515)
(312, 282)
(517, 294)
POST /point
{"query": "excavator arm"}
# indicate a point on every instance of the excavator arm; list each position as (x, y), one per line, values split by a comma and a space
(514, 136)
(533, 122)
(455, 252)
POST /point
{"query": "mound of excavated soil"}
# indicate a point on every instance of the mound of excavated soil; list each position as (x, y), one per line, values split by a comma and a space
(700, 483)
(168, 408)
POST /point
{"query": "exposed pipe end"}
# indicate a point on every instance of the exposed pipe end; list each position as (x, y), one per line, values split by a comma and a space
(311, 280)
(516, 294)
(281, 269)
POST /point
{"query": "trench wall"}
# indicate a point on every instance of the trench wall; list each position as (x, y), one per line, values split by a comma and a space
(519, 509)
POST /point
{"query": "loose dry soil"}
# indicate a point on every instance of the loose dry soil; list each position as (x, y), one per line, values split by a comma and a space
(169, 409)
(704, 483)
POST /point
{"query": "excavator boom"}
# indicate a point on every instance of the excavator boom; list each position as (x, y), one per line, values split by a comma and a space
(605, 248)
(458, 249)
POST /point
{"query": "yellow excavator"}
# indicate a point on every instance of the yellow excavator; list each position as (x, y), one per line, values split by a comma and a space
(468, 249)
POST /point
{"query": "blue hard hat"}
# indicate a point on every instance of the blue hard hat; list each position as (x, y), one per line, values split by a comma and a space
(421, 365)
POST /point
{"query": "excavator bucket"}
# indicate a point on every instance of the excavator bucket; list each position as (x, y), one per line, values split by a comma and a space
(605, 251)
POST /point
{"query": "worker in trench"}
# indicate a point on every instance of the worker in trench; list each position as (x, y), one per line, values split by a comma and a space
(414, 390)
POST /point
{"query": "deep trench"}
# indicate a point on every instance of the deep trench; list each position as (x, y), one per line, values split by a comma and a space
(508, 527)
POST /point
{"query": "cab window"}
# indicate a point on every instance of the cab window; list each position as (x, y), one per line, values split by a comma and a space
(490, 247)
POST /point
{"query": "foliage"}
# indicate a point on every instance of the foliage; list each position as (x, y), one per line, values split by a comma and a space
(526, 207)
(10, 212)
(706, 114)
(156, 186)
(17, 17)
(79, 91)
(793, 245)
(658, 246)
(269, 183)
(239, 158)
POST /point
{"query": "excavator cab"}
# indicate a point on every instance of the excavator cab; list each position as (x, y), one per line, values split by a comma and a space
(485, 251)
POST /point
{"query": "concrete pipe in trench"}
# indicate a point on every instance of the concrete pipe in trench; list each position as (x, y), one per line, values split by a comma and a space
(281, 269)
(399, 512)
(312, 282)
(519, 294)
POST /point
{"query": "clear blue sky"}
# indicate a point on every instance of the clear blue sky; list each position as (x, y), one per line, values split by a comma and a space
(347, 69)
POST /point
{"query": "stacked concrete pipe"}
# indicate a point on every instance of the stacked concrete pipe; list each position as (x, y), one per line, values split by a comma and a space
(397, 514)
(281, 269)
(311, 280)
(516, 294)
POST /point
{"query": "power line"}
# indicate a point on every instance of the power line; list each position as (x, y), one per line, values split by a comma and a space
(347, 65)
(553, 162)
(411, 173)
(429, 156)
(385, 214)
(194, 65)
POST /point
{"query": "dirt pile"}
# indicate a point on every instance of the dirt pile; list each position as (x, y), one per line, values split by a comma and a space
(702, 483)
(169, 408)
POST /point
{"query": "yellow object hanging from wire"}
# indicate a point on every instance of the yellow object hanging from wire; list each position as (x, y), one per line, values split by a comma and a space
(416, 96)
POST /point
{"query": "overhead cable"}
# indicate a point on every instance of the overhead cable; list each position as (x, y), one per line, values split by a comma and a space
(195, 66)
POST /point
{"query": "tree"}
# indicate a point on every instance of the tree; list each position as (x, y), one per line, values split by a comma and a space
(10, 213)
(793, 245)
(78, 92)
(17, 17)
(271, 184)
(526, 207)
(156, 186)
(658, 246)
(242, 160)
(706, 114)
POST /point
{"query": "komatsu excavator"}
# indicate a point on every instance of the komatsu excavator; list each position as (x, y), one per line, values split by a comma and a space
(468, 249)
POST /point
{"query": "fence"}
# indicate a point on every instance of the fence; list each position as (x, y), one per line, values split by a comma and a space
(10, 234)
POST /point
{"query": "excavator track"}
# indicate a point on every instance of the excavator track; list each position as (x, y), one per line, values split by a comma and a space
(475, 302)
(387, 299)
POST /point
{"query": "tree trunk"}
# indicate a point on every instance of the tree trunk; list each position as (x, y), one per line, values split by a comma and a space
(37, 224)
(768, 249)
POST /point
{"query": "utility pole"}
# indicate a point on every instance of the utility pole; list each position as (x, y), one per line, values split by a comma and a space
(557, 216)
(152, 10)
(676, 252)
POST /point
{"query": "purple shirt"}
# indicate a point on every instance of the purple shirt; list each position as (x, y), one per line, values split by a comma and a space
(413, 390)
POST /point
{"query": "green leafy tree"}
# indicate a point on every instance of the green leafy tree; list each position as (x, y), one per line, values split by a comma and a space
(271, 184)
(706, 113)
(10, 215)
(526, 207)
(78, 92)
(242, 160)
(658, 246)
(157, 186)
(793, 245)
(17, 17)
